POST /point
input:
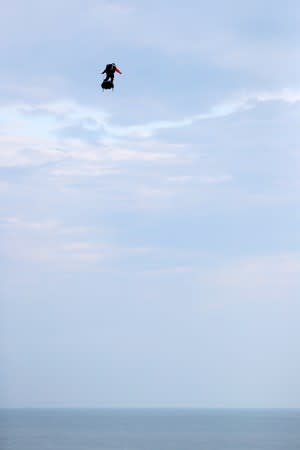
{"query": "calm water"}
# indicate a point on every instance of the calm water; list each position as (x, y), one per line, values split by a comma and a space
(149, 430)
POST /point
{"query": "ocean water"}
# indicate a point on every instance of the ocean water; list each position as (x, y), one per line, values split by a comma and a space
(150, 429)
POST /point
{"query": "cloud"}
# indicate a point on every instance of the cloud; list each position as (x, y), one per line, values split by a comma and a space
(25, 25)
(29, 138)
(250, 38)
(4, 186)
(32, 118)
(284, 95)
(196, 179)
(67, 111)
(130, 161)
(85, 170)
(220, 110)
(225, 279)
(268, 277)
(253, 39)
(51, 242)
(21, 224)
(54, 243)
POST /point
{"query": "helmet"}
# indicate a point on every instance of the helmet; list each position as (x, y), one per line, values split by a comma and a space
(113, 64)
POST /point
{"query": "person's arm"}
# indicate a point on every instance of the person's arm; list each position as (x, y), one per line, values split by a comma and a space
(118, 70)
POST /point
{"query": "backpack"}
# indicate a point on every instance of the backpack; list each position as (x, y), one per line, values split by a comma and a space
(107, 85)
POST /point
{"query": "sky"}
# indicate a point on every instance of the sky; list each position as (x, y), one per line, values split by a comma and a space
(149, 236)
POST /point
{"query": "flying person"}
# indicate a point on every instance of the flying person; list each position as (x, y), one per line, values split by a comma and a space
(110, 70)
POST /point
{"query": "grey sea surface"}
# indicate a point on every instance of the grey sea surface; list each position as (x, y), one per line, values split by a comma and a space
(149, 429)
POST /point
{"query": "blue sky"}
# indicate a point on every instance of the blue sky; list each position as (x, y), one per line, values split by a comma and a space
(149, 237)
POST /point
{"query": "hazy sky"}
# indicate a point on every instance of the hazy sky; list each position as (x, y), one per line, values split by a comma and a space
(150, 236)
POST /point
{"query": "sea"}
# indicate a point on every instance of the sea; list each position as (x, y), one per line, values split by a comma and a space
(149, 429)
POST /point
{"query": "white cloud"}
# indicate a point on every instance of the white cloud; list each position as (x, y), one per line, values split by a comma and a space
(53, 243)
(220, 110)
(268, 277)
(67, 111)
(231, 38)
(147, 171)
(32, 119)
(223, 279)
(85, 170)
(218, 179)
(285, 95)
(196, 180)
(25, 25)
(4, 186)
(20, 223)
(135, 155)
(27, 152)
